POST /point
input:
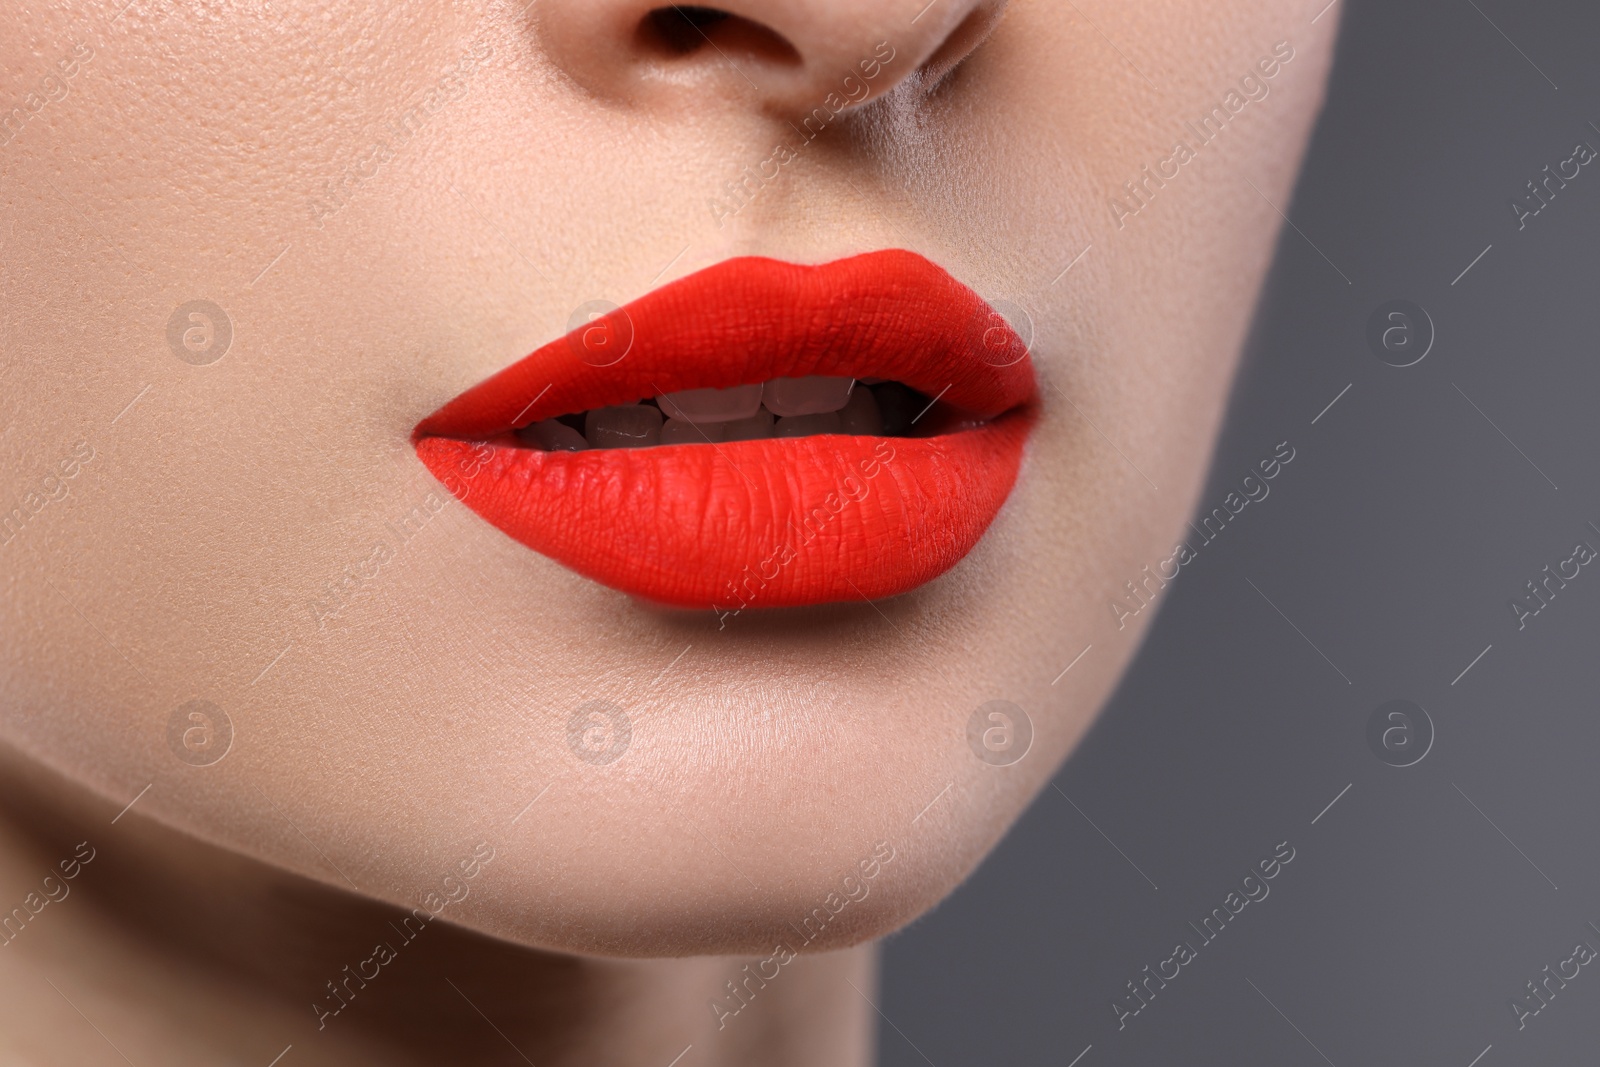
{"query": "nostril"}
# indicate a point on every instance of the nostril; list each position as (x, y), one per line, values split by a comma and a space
(681, 30)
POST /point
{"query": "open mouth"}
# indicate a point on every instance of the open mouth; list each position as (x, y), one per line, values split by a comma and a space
(757, 434)
(781, 408)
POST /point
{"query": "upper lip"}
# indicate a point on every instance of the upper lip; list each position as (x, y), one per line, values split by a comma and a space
(887, 314)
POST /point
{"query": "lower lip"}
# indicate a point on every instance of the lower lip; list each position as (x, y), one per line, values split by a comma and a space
(751, 524)
(773, 523)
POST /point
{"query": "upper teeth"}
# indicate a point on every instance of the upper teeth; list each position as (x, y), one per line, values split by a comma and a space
(783, 407)
(712, 405)
(787, 397)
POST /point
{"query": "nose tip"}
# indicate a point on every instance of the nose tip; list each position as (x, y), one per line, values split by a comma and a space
(787, 56)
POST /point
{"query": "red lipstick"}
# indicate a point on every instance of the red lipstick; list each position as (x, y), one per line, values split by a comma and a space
(836, 515)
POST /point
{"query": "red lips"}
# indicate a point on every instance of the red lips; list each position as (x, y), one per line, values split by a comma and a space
(755, 523)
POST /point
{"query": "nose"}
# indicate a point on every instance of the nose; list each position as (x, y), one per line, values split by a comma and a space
(786, 56)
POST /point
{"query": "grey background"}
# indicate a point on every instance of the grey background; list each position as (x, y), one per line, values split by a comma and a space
(1427, 897)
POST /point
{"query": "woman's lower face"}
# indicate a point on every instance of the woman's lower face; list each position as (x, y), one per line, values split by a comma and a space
(250, 248)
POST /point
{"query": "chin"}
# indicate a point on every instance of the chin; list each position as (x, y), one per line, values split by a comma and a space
(682, 902)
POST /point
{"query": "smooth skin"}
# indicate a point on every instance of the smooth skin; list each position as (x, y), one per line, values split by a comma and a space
(389, 204)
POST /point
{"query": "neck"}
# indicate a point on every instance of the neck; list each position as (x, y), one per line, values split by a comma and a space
(171, 951)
